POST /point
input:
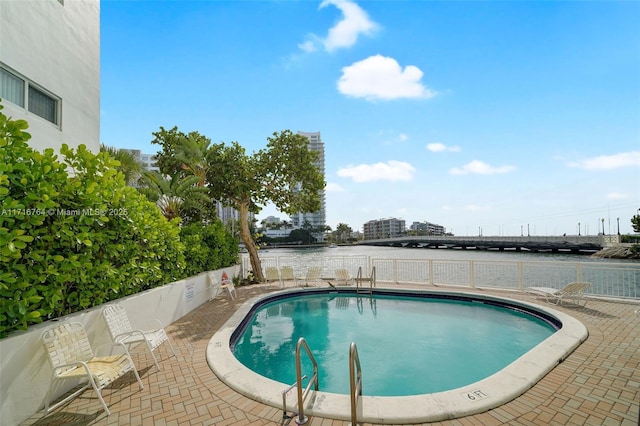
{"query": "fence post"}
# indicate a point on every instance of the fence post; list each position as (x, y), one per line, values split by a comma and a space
(395, 271)
(520, 277)
(431, 271)
(472, 273)
(579, 272)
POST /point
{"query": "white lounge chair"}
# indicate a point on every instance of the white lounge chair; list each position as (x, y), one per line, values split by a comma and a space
(344, 277)
(72, 358)
(122, 331)
(573, 290)
(272, 275)
(286, 274)
(312, 277)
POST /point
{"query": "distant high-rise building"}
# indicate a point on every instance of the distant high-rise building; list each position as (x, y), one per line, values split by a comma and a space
(315, 219)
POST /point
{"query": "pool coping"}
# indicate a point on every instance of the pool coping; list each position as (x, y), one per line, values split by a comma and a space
(478, 397)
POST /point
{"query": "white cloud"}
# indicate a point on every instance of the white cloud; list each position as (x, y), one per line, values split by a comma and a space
(382, 78)
(481, 168)
(440, 147)
(608, 162)
(617, 196)
(403, 137)
(333, 187)
(308, 46)
(355, 21)
(390, 171)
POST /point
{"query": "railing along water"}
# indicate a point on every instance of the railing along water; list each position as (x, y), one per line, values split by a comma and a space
(302, 343)
(355, 381)
(609, 279)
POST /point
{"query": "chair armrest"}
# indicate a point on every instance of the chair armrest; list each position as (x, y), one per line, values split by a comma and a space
(112, 346)
(131, 333)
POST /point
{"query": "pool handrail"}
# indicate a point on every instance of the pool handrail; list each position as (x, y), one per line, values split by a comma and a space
(302, 395)
(371, 279)
(355, 385)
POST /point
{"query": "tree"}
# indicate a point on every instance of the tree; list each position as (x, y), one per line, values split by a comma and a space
(178, 196)
(343, 230)
(635, 222)
(181, 153)
(283, 173)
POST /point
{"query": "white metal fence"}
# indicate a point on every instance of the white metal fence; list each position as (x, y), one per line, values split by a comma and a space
(620, 280)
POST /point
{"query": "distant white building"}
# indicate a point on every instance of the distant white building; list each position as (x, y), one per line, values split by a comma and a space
(147, 161)
(50, 70)
(316, 219)
(427, 228)
(383, 228)
(229, 215)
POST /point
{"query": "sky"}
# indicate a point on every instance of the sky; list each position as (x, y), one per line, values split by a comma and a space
(492, 117)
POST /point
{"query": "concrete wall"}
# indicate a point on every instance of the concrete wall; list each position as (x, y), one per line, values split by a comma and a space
(25, 372)
(57, 47)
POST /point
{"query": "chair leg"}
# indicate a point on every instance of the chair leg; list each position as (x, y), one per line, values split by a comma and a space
(97, 390)
(135, 371)
(170, 345)
(155, 361)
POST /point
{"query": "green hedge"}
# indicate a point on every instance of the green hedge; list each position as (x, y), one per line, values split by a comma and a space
(208, 247)
(72, 234)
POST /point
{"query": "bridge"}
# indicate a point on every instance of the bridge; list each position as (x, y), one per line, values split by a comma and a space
(569, 244)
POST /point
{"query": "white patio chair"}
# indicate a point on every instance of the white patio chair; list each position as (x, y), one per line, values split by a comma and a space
(344, 277)
(272, 275)
(121, 331)
(312, 277)
(217, 286)
(286, 274)
(72, 358)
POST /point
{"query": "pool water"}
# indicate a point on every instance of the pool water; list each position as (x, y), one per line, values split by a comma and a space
(406, 345)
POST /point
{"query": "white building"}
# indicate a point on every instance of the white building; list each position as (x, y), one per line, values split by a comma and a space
(50, 70)
(147, 161)
(316, 219)
(427, 228)
(383, 228)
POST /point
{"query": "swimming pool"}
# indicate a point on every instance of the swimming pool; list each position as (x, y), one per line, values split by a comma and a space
(474, 395)
(414, 345)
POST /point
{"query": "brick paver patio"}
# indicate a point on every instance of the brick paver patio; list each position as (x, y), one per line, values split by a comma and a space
(598, 384)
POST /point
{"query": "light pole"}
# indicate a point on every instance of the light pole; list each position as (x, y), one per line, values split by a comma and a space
(603, 226)
(618, 219)
(578, 229)
(528, 233)
(521, 230)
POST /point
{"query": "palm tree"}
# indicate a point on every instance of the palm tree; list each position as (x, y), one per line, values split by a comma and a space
(129, 165)
(191, 152)
(177, 196)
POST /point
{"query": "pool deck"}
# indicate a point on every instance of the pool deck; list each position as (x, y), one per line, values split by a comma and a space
(598, 384)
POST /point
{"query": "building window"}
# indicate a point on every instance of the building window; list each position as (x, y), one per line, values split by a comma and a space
(43, 105)
(16, 89)
(11, 87)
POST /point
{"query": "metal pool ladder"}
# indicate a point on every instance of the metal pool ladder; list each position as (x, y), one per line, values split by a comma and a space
(360, 279)
(302, 343)
(355, 381)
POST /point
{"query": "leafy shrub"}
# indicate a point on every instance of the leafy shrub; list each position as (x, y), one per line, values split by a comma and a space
(73, 240)
(208, 247)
